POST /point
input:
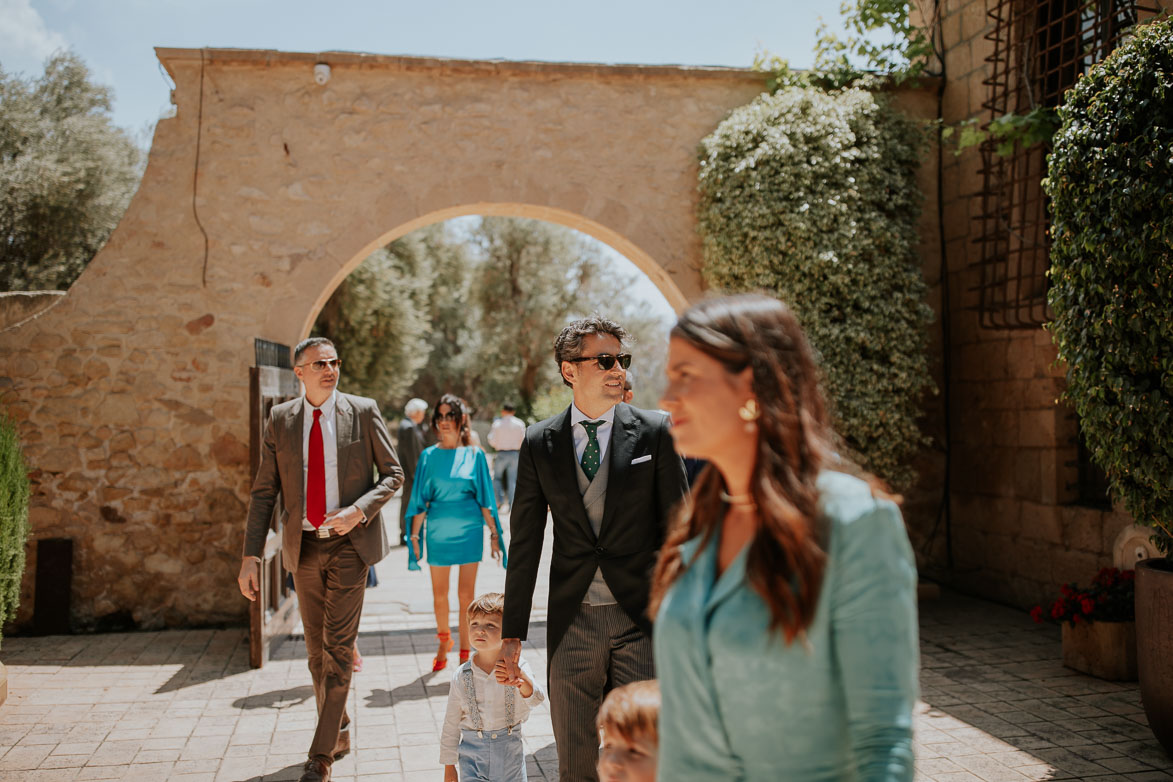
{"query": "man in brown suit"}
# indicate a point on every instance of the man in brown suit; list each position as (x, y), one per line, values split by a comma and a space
(321, 454)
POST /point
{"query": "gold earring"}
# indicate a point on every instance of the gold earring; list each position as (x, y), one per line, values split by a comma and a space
(749, 411)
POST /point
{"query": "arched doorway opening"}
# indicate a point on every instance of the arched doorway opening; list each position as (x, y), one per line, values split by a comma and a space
(470, 305)
(469, 302)
(644, 262)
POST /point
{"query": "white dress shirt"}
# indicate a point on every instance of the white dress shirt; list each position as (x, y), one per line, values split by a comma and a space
(603, 431)
(490, 702)
(506, 433)
(330, 451)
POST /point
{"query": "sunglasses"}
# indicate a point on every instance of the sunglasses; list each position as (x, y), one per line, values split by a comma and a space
(320, 366)
(606, 360)
(451, 415)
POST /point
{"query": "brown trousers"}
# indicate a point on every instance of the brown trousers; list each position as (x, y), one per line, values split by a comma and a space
(331, 581)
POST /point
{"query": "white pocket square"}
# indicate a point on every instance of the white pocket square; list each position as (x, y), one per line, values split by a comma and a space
(641, 459)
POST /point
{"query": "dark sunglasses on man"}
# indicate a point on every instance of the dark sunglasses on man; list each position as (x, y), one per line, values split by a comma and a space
(606, 360)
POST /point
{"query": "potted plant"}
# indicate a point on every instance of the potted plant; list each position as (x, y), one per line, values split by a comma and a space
(1110, 181)
(1099, 631)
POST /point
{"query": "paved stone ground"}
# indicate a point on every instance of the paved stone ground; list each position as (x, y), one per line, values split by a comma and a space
(183, 705)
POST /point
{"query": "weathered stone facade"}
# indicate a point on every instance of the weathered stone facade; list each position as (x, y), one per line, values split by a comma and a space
(1018, 530)
(131, 392)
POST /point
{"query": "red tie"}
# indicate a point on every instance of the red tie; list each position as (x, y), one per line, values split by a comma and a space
(315, 488)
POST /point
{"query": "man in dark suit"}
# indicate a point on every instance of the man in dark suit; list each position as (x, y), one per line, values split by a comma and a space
(411, 443)
(321, 453)
(608, 475)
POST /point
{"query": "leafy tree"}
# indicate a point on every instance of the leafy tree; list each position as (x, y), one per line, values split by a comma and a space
(456, 356)
(474, 312)
(886, 39)
(533, 277)
(882, 36)
(377, 318)
(66, 174)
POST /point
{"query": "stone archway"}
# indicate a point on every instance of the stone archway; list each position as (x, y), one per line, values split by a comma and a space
(260, 195)
(663, 281)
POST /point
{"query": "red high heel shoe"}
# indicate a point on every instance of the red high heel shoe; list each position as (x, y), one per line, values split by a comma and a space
(464, 655)
(440, 662)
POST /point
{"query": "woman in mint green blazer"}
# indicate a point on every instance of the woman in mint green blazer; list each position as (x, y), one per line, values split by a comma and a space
(785, 596)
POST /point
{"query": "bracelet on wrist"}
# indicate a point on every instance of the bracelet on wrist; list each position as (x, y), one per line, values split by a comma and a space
(415, 537)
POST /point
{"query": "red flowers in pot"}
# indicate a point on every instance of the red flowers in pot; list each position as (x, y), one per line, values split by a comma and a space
(1108, 599)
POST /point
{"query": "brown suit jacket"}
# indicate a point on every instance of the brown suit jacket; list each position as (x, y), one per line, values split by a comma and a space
(368, 474)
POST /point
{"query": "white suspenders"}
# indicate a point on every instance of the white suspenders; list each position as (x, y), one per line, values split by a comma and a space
(474, 712)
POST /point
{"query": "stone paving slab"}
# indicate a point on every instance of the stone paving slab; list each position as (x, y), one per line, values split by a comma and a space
(997, 706)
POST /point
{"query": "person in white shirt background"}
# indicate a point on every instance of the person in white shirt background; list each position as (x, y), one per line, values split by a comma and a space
(505, 437)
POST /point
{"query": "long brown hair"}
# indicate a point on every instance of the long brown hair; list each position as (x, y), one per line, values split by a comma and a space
(787, 555)
(458, 406)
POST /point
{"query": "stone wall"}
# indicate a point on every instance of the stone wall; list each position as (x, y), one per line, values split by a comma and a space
(1017, 528)
(131, 393)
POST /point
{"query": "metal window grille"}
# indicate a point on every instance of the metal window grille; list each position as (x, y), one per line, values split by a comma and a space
(271, 354)
(1040, 49)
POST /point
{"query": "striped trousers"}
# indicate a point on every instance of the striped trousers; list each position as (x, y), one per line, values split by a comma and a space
(601, 650)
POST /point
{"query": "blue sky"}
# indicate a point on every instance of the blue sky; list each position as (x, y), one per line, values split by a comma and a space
(116, 38)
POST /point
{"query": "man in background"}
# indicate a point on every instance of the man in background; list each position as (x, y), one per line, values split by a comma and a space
(505, 436)
(411, 443)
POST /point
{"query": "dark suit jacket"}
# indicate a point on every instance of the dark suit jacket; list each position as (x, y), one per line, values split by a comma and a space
(640, 498)
(368, 474)
(411, 443)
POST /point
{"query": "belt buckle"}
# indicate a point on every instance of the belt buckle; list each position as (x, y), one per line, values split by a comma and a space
(323, 532)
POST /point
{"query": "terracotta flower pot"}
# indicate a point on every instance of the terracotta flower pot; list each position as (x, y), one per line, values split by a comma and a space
(1106, 650)
(1154, 645)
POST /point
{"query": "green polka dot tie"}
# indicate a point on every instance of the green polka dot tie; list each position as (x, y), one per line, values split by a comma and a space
(590, 456)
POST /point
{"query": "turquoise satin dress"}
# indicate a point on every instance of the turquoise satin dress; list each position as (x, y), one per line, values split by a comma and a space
(739, 704)
(451, 485)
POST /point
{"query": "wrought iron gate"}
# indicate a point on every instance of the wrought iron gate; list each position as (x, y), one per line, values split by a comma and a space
(273, 614)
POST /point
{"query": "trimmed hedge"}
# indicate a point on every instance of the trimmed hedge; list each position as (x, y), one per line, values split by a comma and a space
(14, 516)
(812, 196)
(1111, 187)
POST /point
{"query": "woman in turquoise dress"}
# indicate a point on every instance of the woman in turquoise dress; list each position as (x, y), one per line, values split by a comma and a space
(785, 595)
(451, 504)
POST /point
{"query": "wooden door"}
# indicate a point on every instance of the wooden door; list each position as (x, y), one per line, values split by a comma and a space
(274, 613)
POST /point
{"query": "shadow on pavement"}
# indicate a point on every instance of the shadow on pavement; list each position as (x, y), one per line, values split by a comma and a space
(999, 698)
(287, 774)
(546, 759)
(417, 690)
(277, 699)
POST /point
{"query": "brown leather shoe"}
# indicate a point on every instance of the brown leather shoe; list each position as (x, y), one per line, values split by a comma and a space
(342, 748)
(317, 769)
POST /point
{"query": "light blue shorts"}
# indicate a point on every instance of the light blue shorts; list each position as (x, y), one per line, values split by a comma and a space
(497, 757)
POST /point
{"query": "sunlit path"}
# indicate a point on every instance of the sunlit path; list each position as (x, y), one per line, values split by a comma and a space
(183, 705)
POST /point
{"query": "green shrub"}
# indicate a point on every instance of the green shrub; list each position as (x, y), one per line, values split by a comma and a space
(812, 196)
(1111, 188)
(14, 519)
